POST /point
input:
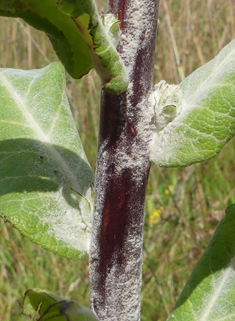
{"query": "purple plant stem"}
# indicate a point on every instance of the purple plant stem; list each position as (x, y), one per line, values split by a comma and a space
(122, 170)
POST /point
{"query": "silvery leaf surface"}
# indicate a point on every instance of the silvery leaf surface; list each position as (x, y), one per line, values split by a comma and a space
(196, 118)
(209, 294)
(45, 178)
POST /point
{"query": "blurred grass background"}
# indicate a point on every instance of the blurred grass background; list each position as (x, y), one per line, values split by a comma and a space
(183, 206)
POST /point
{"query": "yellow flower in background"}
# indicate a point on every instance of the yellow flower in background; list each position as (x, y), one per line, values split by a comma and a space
(156, 213)
(154, 218)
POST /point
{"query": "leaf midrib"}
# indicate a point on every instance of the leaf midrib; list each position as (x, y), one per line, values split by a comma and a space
(216, 292)
(41, 136)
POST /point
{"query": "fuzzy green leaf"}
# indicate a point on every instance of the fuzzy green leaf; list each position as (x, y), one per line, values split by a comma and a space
(209, 294)
(45, 178)
(104, 35)
(202, 113)
(67, 40)
(77, 35)
(50, 306)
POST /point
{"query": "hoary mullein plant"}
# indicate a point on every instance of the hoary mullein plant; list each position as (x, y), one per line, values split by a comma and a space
(47, 188)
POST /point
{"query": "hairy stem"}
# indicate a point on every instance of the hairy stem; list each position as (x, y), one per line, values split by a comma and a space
(122, 170)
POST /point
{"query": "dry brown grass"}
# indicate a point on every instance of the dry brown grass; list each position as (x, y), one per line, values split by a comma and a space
(190, 33)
